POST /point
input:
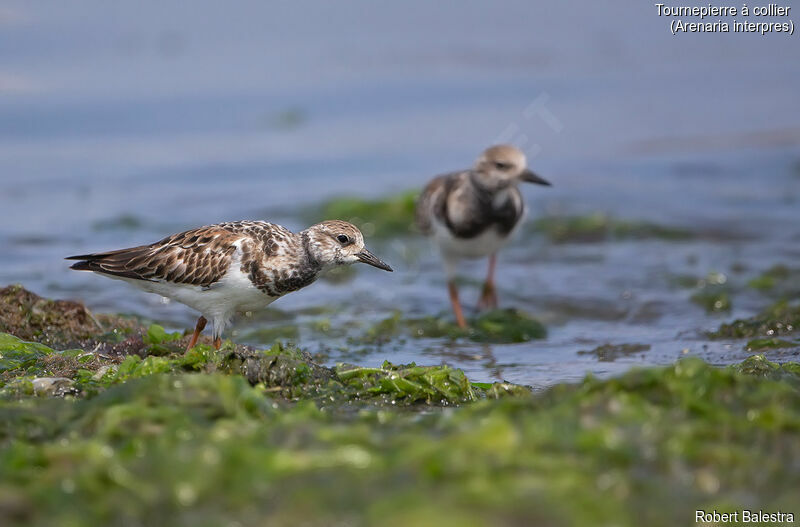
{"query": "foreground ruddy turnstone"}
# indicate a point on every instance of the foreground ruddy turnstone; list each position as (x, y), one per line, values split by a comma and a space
(473, 213)
(226, 268)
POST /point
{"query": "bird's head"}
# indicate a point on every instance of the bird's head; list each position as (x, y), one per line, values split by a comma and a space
(501, 166)
(336, 242)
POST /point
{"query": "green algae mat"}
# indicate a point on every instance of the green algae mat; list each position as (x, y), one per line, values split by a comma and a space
(105, 424)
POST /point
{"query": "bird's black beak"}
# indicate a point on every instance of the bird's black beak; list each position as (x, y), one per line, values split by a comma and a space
(369, 258)
(530, 177)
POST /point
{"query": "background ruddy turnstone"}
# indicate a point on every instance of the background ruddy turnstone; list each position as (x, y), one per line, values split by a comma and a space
(232, 267)
(473, 213)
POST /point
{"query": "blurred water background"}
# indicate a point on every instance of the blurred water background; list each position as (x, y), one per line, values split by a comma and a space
(122, 123)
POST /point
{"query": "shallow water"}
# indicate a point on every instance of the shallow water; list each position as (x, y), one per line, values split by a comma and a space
(118, 127)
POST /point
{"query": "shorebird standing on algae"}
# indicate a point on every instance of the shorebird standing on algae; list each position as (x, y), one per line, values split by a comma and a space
(223, 269)
(473, 213)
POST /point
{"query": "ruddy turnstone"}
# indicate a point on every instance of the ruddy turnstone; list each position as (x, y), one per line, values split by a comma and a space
(226, 268)
(473, 213)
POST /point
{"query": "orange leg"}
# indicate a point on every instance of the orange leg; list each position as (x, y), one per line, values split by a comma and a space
(217, 343)
(451, 286)
(201, 324)
(488, 297)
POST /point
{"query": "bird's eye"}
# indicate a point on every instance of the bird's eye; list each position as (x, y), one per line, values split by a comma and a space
(499, 165)
(343, 238)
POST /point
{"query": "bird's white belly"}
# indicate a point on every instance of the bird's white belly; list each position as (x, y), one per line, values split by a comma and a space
(234, 293)
(486, 243)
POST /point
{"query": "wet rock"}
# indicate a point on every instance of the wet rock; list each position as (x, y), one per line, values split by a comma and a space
(53, 322)
(781, 318)
(759, 366)
(497, 326)
(288, 371)
(612, 352)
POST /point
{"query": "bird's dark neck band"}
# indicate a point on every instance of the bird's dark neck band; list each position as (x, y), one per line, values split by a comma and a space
(312, 261)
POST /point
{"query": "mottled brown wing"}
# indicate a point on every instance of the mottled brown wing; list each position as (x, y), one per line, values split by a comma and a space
(196, 257)
(431, 199)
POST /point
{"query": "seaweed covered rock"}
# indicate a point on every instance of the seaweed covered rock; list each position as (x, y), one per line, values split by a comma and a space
(95, 362)
(612, 352)
(713, 300)
(601, 227)
(758, 365)
(32, 369)
(649, 447)
(781, 318)
(408, 383)
(497, 326)
(247, 436)
(282, 369)
(779, 281)
(770, 343)
(52, 322)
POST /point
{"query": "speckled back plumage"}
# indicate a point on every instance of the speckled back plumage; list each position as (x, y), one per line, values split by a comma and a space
(466, 209)
(271, 256)
(274, 259)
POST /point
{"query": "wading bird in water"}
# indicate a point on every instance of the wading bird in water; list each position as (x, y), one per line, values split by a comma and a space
(473, 213)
